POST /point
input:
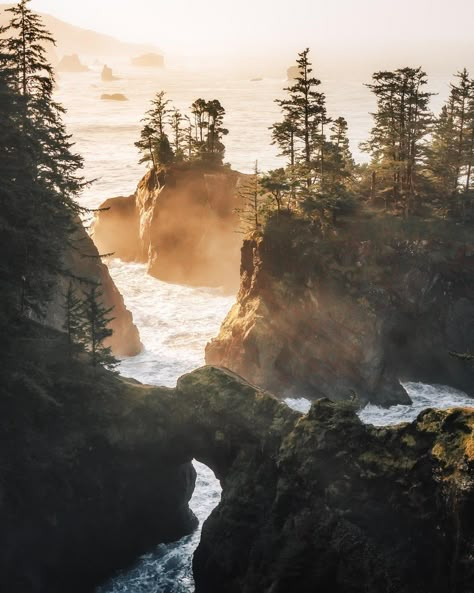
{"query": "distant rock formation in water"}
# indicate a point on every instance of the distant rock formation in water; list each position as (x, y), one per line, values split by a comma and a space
(71, 63)
(292, 73)
(181, 222)
(107, 74)
(150, 60)
(113, 97)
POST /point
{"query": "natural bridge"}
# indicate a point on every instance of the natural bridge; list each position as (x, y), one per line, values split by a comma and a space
(319, 502)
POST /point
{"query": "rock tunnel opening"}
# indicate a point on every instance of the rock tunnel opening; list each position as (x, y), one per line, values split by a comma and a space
(169, 567)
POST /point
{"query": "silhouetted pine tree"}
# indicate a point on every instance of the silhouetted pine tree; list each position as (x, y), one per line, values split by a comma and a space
(74, 320)
(95, 329)
(46, 182)
(154, 144)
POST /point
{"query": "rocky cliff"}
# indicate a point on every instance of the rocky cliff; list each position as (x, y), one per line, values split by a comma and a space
(348, 315)
(94, 470)
(181, 222)
(85, 486)
(85, 268)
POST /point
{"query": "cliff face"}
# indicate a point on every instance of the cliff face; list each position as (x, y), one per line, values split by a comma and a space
(182, 223)
(349, 316)
(94, 470)
(86, 267)
(85, 486)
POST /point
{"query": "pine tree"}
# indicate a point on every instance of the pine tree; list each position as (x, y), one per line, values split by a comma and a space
(301, 134)
(74, 320)
(209, 130)
(96, 329)
(278, 186)
(339, 161)
(45, 189)
(401, 124)
(179, 132)
(451, 152)
(253, 199)
(154, 144)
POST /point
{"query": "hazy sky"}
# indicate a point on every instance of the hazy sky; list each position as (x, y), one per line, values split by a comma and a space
(206, 26)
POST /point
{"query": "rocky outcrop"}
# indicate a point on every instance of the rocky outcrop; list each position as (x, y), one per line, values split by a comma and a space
(113, 97)
(107, 74)
(150, 60)
(85, 269)
(348, 316)
(94, 469)
(71, 63)
(86, 483)
(181, 222)
(325, 503)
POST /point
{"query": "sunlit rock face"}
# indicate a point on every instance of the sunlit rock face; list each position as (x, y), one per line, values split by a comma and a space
(83, 261)
(181, 222)
(346, 319)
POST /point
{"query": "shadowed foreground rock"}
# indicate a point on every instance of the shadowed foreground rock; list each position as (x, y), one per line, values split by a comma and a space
(95, 470)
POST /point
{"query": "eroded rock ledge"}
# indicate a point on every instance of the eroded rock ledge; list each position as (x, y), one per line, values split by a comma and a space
(348, 316)
(180, 222)
(97, 471)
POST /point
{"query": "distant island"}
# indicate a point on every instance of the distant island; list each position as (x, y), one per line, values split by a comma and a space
(71, 63)
(107, 74)
(149, 60)
(113, 97)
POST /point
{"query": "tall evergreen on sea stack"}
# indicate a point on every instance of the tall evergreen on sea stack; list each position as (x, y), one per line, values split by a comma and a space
(40, 171)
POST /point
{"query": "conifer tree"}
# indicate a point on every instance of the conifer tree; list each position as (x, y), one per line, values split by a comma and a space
(396, 142)
(154, 144)
(96, 330)
(44, 205)
(252, 197)
(179, 132)
(301, 134)
(451, 153)
(74, 320)
(278, 186)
